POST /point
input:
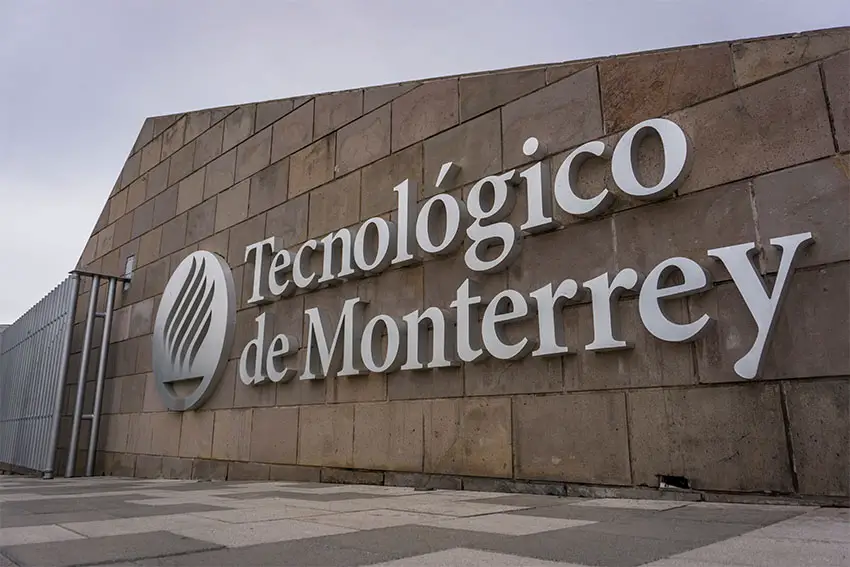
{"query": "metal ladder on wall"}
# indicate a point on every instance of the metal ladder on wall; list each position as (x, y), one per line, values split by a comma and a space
(91, 315)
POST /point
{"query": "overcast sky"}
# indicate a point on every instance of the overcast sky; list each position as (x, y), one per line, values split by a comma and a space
(78, 78)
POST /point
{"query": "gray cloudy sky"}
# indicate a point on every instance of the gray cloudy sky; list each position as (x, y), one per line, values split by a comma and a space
(78, 77)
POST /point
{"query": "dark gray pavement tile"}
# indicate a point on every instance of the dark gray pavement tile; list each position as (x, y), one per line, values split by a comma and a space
(65, 505)
(104, 549)
(143, 511)
(690, 531)
(320, 497)
(12, 520)
(734, 513)
(530, 500)
(5, 561)
(47, 490)
(587, 513)
(407, 541)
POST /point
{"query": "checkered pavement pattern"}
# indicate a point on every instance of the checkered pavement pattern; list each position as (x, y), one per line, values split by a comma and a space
(135, 522)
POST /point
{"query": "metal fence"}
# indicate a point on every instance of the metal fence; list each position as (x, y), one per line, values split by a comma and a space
(33, 361)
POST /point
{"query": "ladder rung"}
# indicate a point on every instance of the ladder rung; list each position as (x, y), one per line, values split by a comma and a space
(100, 314)
(88, 416)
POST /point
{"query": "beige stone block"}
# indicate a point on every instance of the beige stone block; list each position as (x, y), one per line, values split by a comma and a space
(269, 187)
(197, 123)
(105, 240)
(274, 437)
(190, 191)
(153, 401)
(380, 177)
(836, 77)
(243, 234)
(165, 433)
(173, 467)
(444, 275)
(579, 438)
(232, 435)
(253, 154)
(238, 126)
(117, 206)
(374, 97)
(157, 180)
(123, 231)
(335, 205)
(300, 392)
(469, 437)
(813, 197)
(145, 135)
(132, 393)
(294, 473)
(363, 141)
(139, 434)
(723, 438)
(476, 146)
(220, 113)
(203, 469)
(182, 163)
(232, 206)
(288, 220)
(326, 435)
(389, 436)
(258, 396)
(650, 362)
(144, 359)
(149, 247)
(223, 393)
(165, 206)
(555, 73)
(481, 93)
(141, 318)
(151, 155)
(562, 115)
(156, 276)
(330, 300)
(293, 131)
(173, 138)
(313, 166)
(334, 110)
(247, 471)
(367, 388)
(245, 329)
(142, 219)
(760, 58)
(425, 384)
(819, 428)
(148, 467)
(270, 111)
(685, 76)
(687, 227)
(200, 222)
(208, 146)
(769, 126)
(810, 338)
(216, 243)
(580, 252)
(220, 174)
(136, 193)
(131, 168)
(394, 293)
(196, 434)
(173, 235)
(424, 111)
(115, 431)
(161, 123)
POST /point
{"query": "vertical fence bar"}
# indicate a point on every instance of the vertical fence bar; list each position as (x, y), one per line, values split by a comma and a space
(101, 374)
(81, 381)
(56, 418)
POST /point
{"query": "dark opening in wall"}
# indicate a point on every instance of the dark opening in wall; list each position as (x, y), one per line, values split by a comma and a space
(672, 481)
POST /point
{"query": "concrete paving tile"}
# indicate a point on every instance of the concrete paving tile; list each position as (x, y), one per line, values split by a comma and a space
(137, 511)
(461, 557)
(376, 519)
(104, 549)
(35, 534)
(628, 504)
(125, 526)
(304, 495)
(763, 552)
(55, 505)
(21, 497)
(807, 529)
(458, 509)
(507, 524)
(735, 513)
(685, 563)
(9, 520)
(529, 500)
(689, 531)
(242, 535)
(260, 514)
(570, 512)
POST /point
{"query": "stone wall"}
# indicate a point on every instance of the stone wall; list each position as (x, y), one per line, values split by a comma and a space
(769, 120)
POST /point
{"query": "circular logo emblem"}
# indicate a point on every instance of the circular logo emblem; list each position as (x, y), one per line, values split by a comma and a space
(193, 331)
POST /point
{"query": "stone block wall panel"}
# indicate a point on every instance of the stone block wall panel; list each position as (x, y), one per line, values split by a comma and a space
(768, 125)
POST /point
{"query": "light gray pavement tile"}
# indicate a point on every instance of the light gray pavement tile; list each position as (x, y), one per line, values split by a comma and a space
(529, 500)
(837, 514)
(376, 519)
(248, 515)
(458, 509)
(104, 549)
(629, 504)
(16, 496)
(242, 535)
(5, 561)
(321, 497)
(507, 524)
(763, 552)
(807, 528)
(685, 563)
(35, 534)
(461, 557)
(9, 520)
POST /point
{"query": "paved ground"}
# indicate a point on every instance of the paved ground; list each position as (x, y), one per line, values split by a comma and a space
(113, 521)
